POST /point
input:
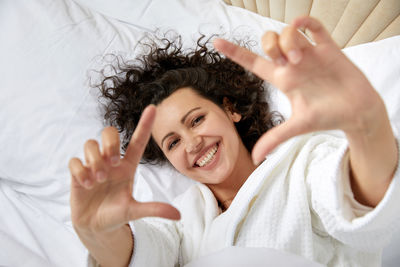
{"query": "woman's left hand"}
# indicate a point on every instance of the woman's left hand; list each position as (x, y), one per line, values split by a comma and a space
(326, 90)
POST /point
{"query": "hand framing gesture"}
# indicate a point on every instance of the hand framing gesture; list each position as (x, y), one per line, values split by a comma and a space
(101, 191)
(325, 89)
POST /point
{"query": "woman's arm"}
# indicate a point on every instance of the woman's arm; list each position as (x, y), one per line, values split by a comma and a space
(326, 91)
(373, 157)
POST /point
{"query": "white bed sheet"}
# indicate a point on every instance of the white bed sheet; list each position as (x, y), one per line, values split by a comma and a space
(48, 112)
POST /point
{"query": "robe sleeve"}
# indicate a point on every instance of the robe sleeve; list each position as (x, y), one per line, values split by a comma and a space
(356, 225)
(156, 243)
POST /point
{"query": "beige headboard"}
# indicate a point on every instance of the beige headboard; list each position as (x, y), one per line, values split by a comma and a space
(350, 22)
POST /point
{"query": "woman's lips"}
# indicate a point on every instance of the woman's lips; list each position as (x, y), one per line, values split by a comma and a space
(207, 157)
(204, 156)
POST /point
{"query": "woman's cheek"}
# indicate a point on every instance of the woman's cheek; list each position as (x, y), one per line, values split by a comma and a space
(178, 159)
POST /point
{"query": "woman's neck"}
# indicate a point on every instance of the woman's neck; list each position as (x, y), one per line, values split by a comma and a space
(226, 191)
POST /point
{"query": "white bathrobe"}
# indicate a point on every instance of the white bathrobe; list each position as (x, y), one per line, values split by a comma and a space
(298, 200)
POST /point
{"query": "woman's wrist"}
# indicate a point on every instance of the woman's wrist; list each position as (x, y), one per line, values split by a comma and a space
(366, 113)
(111, 248)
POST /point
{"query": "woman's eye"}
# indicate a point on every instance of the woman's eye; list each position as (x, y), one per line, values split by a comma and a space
(172, 144)
(197, 120)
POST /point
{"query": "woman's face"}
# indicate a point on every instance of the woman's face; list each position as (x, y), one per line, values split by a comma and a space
(198, 137)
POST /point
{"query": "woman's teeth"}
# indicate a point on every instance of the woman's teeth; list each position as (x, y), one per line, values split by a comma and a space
(208, 158)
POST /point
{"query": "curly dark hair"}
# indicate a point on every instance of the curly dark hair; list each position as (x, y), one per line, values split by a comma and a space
(167, 67)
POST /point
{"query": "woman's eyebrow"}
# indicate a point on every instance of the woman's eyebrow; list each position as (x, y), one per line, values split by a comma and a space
(188, 113)
(182, 121)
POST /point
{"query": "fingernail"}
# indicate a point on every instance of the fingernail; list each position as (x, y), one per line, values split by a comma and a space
(281, 61)
(115, 160)
(294, 56)
(101, 176)
(87, 183)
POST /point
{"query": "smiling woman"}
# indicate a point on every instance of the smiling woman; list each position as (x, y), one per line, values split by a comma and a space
(313, 195)
(211, 112)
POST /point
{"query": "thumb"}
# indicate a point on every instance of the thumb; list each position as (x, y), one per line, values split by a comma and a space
(139, 210)
(275, 136)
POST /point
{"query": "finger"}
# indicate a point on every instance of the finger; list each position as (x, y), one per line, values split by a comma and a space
(80, 174)
(247, 59)
(270, 44)
(139, 210)
(293, 43)
(111, 145)
(141, 135)
(275, 136)
(95, 160)
(319, 34)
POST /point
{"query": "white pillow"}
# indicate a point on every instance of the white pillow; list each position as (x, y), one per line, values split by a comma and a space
(380, 62)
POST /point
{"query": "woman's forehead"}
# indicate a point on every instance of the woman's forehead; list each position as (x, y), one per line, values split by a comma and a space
(181, 100)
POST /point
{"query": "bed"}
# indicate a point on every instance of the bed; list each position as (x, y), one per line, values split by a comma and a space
(48, 50)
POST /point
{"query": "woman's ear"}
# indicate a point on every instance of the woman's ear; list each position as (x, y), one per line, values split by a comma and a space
(235, 117)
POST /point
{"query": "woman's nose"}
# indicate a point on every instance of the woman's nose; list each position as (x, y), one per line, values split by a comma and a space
(193, 144)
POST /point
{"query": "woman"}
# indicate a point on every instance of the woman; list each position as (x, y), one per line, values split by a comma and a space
(304, 198)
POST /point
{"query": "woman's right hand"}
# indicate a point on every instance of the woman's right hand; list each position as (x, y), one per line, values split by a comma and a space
(101, 190)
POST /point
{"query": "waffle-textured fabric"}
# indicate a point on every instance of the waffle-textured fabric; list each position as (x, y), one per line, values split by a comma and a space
(298, 200)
